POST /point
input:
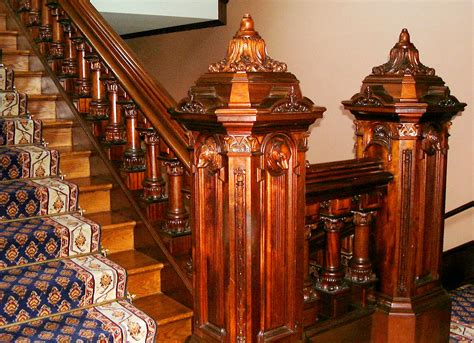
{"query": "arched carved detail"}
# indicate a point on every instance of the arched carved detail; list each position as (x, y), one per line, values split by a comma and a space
(247, 52)
(292, 104)
(366, 98)
(404, 60)
(277, 154)
(241, 143)
(190, 105)
(208, 155)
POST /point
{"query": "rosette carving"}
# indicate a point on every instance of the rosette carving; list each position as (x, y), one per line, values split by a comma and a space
(247, 52)
(404, 60)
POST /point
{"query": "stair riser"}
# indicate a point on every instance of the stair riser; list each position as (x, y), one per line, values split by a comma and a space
(8, 41)
(94, 201)
(56, 137)
(3, 22)
(175, 331)
(16, 61)
(145, 283)
(74, 166)
(42, 109)
(118, 239)
(28, 84)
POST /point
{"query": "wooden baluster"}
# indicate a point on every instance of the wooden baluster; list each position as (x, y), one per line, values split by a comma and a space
(83, 85)
(30, 15)
(45, 29)
(114, 131)
(23, 8)
(69, 70)
(98, 108)
(360, 267)
(56, 47)
(134, 156)
(177, 217)
(153, 184)
(333, 289)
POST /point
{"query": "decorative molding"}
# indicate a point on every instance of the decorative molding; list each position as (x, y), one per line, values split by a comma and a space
(366, 98)
(404, 60)
(174, 167)
(241, 144)
(408, 130)
(247, 52)
(292, 105)
(405, 215)
(449, 100)
(240, 230)
(277, 155)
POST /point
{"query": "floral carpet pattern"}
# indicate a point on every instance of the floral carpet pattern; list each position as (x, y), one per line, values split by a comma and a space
(55, 285)
(462, 314)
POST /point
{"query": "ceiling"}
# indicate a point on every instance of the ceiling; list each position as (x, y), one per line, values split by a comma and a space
(135, 17)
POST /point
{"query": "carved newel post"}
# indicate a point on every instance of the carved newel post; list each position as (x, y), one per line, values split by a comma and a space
(249, 127)
(403, 113)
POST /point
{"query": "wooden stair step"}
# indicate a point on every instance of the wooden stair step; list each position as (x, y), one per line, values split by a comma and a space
(74, 161)
(17, 59)
(58, 132)
(144, 272)
(117, 230)
(3, 21)
(8, 39)
(43, 106)
(173, 318)
(29, 82)
(94, 193)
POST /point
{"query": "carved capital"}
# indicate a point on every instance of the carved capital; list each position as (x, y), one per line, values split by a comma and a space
(247, 52)
(131, 111)
(404, 60)
(241, 144)
(174, 167)
(333, 224)
(363, 218)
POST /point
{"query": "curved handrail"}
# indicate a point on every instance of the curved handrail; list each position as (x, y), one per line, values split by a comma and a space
(145, 91)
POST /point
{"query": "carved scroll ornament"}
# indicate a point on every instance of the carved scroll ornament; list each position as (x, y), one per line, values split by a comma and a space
(404, 60)
(208, 155)
(247, 52)
(367, 98)
(190, 105)
(293, 105)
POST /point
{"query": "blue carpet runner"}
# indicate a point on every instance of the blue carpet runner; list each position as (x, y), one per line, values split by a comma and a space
(55, 285)
(462, 314)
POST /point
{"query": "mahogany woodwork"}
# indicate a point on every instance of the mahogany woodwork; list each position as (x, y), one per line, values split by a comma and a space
(402, 115)
(134, 156)
(154, 183)
(249, 126)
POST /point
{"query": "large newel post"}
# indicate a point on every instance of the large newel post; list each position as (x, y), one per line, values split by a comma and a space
(403, 113)
(249, 127)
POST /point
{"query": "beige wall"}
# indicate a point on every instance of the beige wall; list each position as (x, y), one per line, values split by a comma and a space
(331, 46)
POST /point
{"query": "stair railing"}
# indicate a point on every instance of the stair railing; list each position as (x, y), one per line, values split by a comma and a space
(116, 102)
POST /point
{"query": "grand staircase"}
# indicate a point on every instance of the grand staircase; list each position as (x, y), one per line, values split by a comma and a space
(59, 218)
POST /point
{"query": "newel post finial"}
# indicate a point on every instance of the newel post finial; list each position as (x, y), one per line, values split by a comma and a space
(247, 52)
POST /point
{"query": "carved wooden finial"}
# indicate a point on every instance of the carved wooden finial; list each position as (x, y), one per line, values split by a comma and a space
(404, 60)
(247, 52)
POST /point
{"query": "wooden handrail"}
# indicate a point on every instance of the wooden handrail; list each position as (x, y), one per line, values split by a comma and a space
(145, 91)
(459, 209)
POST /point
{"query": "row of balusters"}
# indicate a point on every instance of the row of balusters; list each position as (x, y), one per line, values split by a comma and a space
(116, 121)
(339, 271)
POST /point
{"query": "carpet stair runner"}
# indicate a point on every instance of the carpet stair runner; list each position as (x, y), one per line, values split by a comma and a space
(462, 314)
(55, 285)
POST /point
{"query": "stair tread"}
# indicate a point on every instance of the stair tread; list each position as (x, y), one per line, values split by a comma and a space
(28, 73)
(74, 150)
(135, 261)
(163, 309)
(110, 219)
(17, 52)
(57, 122)
(43, 97)
(9, 32)
(91, 183)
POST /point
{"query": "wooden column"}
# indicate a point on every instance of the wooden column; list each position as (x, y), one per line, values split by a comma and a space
(249, 126)
(115, 130)
(402, 116)
(134, 156)
(83, 85)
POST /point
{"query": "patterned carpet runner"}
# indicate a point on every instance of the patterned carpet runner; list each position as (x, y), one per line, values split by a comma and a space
(55, 285)
(462, 314)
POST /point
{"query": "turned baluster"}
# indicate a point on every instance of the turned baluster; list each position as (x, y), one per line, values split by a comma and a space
(83, 85)
(331, 284)
(69, 64)
(177, 217)
(23, 8)
(45, 29)
(98, 108)
(134, 156)
(153, 184)
(114, 131)
(56, 47)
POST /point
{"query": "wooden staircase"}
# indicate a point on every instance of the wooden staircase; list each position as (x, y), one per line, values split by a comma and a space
(78, 165)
